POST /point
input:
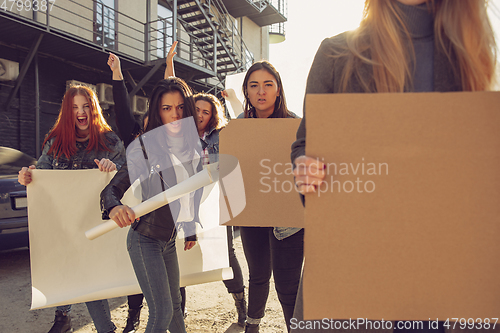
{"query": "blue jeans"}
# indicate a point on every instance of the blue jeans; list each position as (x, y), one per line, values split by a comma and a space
(99, 311)
(157, 271)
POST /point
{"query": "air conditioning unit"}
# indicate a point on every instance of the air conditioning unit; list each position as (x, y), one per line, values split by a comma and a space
(105, 94)
(139, 104)
(79, 83)
(9, 70)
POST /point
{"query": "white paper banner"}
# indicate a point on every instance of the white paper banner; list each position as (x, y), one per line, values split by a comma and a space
(68, 268)
(236, 98)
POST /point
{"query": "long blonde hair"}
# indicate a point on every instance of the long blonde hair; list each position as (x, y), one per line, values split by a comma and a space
(462, 31)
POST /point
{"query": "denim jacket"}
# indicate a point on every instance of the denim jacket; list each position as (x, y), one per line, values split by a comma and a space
(211, 142)
(83, 159)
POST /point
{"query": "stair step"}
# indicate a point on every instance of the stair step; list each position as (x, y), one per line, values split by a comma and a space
(225, 70)
(186, 10)
(228, 62)
(221, 53)
(196, 17)
(182, 2)
(210, 47)
(199, 25)
(193, 18)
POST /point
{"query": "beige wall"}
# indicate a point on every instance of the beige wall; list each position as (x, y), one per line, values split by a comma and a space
(80, 17)
(256, 39)
(80, 25)
(131, 27)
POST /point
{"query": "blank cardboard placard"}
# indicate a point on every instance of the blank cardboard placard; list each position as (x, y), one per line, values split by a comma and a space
(262, 147)
(409, 214)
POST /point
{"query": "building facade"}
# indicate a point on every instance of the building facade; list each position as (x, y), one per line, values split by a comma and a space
(45, 45)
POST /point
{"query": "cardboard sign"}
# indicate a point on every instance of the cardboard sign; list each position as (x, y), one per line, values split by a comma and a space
(409, 213)
(262, 147)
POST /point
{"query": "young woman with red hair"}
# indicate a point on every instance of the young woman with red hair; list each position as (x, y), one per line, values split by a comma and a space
(80, 139)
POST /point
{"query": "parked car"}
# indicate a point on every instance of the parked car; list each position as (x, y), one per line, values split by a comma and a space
(13, 201)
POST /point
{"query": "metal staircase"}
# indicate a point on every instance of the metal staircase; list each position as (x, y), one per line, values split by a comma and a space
(213, 35)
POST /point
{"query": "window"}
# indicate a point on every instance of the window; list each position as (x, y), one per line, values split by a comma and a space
(105, 23)
(165, 31)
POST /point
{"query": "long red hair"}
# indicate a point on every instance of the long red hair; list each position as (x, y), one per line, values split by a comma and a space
(64, 129)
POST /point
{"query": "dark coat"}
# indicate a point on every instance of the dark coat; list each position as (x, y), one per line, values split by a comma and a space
(326, 71)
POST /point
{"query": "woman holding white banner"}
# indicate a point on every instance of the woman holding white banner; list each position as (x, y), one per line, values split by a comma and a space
(400, 46)
(80, 139)
(277, 250)
(170, 151)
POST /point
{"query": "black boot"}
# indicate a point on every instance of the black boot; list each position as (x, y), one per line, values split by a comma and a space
(252, 328)
(241, 307)
(132, 320)
(62, 323)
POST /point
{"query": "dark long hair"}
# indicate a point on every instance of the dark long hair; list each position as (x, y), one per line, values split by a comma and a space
(171, 85)
(218, 119)
(280, 108)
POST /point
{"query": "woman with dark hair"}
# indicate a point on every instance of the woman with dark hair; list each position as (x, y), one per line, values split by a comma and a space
(278, 250)
(171, 155)
(400, 46)
(80, 139)
(264, 94)
(211, 120)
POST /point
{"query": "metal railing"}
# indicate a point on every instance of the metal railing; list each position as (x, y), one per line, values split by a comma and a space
(280, 5)
(162, 36)
(190, 39)
(94, 22)
(219, 10)
(277, 28)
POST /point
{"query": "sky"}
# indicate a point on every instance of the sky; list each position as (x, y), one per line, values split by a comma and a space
(308, 25)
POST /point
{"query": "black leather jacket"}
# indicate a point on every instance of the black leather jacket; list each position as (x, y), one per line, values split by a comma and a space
(159, 224)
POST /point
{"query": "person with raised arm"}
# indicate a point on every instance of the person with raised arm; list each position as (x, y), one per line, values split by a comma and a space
(151, 239)
(210, 121)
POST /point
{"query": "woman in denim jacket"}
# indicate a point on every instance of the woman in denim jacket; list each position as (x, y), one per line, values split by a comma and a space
(279, 250)
(211, 120)
(80, 139)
